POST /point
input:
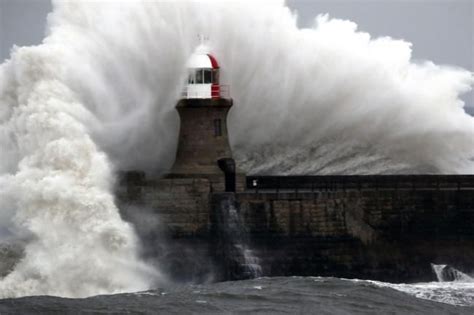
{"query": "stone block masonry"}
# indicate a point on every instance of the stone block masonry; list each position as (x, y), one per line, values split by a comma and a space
(389, 234)
(181, 203)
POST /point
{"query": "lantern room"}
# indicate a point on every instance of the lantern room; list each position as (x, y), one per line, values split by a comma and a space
(203, 77)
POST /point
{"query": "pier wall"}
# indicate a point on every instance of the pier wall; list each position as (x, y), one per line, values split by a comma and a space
(390, 235)
(353, 228)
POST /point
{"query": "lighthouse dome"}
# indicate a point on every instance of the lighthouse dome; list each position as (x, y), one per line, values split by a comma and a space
(202, 60)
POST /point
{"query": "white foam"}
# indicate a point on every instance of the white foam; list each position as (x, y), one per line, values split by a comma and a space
(58, 191)
(455, 293)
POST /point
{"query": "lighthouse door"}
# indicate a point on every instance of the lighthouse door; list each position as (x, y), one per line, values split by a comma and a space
(227, 165)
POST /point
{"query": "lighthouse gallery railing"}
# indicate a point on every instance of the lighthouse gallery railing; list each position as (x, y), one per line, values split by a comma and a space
(217, 91)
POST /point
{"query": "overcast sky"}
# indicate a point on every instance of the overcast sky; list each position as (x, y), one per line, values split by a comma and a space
(440, 30)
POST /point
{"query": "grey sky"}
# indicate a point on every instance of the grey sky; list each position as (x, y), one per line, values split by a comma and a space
(440, 30)
(22, 22)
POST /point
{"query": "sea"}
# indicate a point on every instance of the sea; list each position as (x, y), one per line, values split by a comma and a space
(277, 295)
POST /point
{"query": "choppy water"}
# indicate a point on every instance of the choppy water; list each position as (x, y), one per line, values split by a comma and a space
(294, 295)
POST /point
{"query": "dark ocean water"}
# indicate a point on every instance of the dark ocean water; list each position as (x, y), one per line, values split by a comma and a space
(290, 295)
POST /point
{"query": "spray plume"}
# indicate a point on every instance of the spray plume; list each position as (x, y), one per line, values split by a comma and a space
(101, 91)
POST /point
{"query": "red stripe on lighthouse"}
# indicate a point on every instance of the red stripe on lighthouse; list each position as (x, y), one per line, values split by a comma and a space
(214, 63)
(215, 91)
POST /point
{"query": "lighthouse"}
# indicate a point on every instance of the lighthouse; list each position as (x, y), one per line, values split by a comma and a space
(203, 77)
(203, 146)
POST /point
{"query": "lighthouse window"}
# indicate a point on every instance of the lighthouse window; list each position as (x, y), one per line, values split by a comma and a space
(207, 76)
(217, 128)
(199, 76)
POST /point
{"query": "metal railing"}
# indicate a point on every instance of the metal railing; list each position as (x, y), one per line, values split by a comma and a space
(360, 182)
(217, 91)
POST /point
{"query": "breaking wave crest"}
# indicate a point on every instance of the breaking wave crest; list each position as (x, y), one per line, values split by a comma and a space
(55, 192)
